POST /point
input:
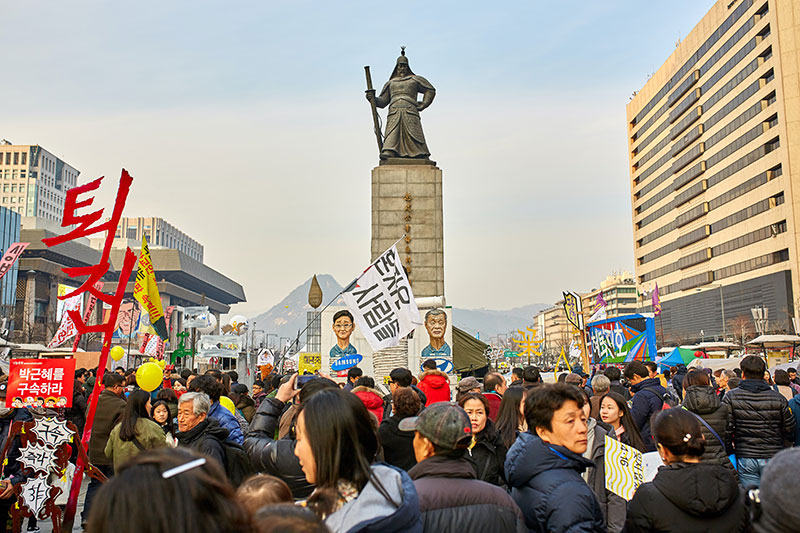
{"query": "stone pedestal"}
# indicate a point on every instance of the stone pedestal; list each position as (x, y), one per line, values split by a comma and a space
(407, 200)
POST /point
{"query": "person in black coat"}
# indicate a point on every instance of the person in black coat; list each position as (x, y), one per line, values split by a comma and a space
(450, 498)
(487, 452)
(197, 430)
(678, 377)
(398, 446)
(648, 399)
(276, 457)
(398, 378)
(614, 375)
(762, 420)
(686, 495)
(544, 465)
(699, 398)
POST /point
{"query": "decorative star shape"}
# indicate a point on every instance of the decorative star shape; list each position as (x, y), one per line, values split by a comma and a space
(37, 457)
(51, 431)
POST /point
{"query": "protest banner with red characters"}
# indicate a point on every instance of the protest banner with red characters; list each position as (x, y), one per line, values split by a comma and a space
(40, 383)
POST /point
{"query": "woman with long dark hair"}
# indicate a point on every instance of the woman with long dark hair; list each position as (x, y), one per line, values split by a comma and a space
(510, 418)
(686, 494)
(336, 446)
(135, 431)
(160, 414)
(173, 489)
(486, 452)
(715, 416)
(614, 412)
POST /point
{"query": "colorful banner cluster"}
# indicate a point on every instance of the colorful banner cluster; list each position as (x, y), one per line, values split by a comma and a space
(623, 339)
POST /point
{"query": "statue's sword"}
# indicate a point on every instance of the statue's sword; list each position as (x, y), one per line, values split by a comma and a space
(376, 121)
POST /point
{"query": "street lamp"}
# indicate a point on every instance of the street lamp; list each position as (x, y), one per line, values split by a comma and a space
(760, 318)
(721, 304)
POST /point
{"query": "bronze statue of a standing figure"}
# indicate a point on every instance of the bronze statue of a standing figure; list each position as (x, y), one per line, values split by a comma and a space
(402, 137)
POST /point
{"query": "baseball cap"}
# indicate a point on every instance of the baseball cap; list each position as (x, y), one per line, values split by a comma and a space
(573, 378)
(443, 423)
(468, 383)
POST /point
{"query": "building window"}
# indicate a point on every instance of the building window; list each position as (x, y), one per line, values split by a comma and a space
(24, 158)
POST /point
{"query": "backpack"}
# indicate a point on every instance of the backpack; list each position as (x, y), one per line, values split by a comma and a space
(668, 399)
(237, 463)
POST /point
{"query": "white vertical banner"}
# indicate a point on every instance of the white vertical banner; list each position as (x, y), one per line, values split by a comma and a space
(382, 303)
(67, 328)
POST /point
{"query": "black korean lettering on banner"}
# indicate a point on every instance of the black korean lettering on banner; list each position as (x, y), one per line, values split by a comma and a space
(379, 313)
(362, 294)
(390, 330)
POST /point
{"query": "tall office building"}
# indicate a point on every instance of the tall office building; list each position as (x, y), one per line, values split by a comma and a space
(714, 145)
(33, 181)
(159, 233)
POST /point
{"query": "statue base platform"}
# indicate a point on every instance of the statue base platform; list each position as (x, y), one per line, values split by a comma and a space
(407, 205)
(407, 161)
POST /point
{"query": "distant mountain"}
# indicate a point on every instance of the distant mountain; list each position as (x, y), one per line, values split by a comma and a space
(287, 317)
(489, 322)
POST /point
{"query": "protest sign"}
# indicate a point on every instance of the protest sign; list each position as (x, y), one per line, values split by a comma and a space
(382, 303)
(624, 468)
(196, 317)
(224, 345)
(40, 382)
(67, 329)
(146, 292)
(10, 257)
(309, 363)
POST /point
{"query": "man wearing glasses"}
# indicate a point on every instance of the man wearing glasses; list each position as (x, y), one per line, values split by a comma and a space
(343, 327)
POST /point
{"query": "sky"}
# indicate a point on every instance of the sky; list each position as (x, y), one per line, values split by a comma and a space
(245, 125)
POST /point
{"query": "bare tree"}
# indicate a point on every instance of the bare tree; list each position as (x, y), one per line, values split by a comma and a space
(742, 329)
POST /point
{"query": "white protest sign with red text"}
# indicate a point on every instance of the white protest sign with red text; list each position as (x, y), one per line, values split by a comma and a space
(40, 383)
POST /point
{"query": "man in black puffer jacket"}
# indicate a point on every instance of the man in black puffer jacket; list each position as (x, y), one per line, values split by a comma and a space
(276, 457)
(451, 499)
(648, 399)
(762, 421)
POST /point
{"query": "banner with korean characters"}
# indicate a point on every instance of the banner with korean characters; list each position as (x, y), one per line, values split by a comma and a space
(40, 383)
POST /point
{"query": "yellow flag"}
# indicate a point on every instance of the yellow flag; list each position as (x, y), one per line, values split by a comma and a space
(146, 293)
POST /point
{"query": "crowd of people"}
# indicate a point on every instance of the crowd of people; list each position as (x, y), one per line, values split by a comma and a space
(204, 453)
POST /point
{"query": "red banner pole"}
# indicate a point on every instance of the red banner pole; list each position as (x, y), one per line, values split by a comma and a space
(75, 489)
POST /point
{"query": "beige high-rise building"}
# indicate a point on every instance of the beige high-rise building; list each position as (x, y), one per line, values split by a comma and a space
(714, 146)
(33, 181)
(159, 233)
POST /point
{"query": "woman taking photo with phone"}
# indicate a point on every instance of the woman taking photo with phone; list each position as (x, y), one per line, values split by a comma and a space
(336, 445)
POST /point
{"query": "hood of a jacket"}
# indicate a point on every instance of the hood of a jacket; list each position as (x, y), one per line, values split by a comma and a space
(646, 384)
(436, 379)
(530, 456)
(700, 489)
(701, 399)
(369, 397)
(245, 401)
(754, 385)
(370, 505)
(441, 466)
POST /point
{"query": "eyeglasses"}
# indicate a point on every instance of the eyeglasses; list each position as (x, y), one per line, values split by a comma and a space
(342, 326)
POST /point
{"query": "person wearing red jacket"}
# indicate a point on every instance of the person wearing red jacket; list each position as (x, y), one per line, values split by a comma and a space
(371, 398)
(434, 383)
(494, 385)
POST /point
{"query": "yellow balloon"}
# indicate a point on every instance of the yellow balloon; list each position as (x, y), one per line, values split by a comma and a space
(117, 352)
(149, 376)
(161, 364)
(227, 403)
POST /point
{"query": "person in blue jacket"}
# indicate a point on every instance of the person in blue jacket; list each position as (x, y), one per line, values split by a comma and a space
(544, 466)
(210, 386)
(648, 399)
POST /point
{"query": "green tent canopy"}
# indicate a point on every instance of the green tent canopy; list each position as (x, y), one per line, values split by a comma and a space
(467, 350)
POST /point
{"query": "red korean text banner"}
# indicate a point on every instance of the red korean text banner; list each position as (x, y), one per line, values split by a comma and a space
(40, 383)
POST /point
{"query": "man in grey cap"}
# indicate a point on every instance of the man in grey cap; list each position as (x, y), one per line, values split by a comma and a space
(451, 498)
(468, 384)
(773, 505)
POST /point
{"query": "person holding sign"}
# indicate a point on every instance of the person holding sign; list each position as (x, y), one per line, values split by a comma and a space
(686, 495)
(544, 466)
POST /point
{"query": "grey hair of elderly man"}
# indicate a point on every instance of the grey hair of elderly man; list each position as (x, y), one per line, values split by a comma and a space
(201, 403)
(601, 384)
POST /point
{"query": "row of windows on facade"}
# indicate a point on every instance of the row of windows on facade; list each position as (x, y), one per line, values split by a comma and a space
(712, 40)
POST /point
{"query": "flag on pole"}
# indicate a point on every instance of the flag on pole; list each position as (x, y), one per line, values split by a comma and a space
(146, 293)
(601, 302)
(382, 303)
(656, 301)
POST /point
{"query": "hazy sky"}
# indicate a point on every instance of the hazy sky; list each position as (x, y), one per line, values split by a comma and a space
(244, 124)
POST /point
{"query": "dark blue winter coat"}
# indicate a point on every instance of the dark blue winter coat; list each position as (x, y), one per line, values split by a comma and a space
(228, 421)
(547, 486)
(648, 398)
